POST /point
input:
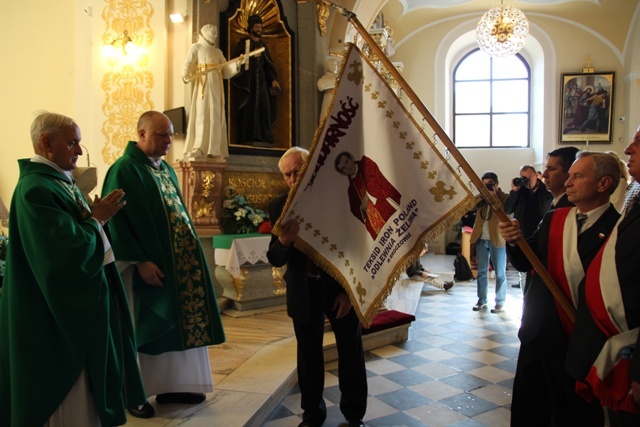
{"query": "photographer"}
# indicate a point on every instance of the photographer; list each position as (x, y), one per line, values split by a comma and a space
(489, 245)
(528, 201)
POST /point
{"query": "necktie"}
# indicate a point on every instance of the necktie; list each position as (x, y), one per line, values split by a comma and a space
(581, 218)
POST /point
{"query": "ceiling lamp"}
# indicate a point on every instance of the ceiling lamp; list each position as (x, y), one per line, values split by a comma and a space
(502, 31)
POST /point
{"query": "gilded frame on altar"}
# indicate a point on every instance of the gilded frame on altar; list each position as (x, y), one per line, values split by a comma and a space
(586, 107)
(279, 40)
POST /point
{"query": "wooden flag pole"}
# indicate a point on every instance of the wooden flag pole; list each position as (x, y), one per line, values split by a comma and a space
(564, 303)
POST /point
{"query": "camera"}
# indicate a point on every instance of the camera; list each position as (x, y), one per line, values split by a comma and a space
(489, 186)
(520, 181)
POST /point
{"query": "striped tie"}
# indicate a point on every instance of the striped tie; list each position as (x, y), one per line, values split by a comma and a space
(581, 218)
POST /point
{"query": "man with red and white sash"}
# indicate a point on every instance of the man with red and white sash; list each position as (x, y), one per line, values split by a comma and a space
(565, 245)
(604, 353)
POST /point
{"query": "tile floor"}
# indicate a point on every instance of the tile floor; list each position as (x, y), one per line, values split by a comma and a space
(456, 369)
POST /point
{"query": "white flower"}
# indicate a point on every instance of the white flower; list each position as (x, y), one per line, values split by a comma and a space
(256, 219)
(240, 213)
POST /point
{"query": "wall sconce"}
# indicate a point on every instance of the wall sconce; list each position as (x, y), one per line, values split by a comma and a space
(176, 18)
(122, 48)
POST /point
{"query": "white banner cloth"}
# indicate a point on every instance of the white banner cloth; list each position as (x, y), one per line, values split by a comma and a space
(374, 191)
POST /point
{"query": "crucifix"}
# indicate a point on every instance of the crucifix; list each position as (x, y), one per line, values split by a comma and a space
(588, 68)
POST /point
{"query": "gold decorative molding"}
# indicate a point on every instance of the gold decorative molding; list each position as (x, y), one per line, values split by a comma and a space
(239, 283)
(278, 280)
(201, 185)
(127, 85)
(322, 13)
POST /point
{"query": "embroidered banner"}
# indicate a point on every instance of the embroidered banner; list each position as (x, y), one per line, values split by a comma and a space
(374, 191)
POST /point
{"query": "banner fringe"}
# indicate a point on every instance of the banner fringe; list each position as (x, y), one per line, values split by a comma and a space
(378, 302)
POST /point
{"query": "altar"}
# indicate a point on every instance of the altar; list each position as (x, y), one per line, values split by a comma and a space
(244, 272)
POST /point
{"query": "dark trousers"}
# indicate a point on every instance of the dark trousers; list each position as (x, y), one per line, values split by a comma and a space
(544, 393)
(351, 369)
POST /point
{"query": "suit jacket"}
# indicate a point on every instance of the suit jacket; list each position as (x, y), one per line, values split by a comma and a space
(563, 203)
(299, 301)
(539, 315)
(588, 339)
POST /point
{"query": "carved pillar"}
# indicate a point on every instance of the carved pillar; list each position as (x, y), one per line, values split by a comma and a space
(201, 184)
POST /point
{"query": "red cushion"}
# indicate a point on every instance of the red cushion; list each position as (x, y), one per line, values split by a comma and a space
(388, 319)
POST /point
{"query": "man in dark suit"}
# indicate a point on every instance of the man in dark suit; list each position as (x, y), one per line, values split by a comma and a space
(566, 245)
(528, 201)
(604, 353)
(556, 173)
(312, 294)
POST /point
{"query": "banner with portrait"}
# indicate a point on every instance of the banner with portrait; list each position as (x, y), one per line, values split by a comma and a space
(374, 191)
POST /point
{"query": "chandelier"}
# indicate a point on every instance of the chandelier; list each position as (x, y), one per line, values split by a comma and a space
(502, 31)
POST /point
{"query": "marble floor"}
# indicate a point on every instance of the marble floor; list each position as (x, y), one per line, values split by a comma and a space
(456, 368)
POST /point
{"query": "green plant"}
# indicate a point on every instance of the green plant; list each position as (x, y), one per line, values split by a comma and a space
(238, 216)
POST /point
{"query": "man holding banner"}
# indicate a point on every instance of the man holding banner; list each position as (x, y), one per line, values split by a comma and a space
(566, 241)
(312, 294)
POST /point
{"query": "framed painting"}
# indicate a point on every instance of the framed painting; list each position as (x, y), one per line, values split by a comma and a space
(586, 107)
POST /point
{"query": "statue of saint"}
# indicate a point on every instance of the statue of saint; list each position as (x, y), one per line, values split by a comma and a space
(206, 66)
(327, 82)
(256, 88)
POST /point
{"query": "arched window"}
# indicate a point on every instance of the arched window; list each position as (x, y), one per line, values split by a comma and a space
(491, 101)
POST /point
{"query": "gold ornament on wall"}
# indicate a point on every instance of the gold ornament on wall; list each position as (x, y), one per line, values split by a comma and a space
(126, 84)
(322, 13)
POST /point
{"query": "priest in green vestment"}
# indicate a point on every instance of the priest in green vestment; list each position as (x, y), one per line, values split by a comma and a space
(67, 349)
(175, 310)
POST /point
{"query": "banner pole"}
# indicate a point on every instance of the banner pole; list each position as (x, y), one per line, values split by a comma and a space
(562, 300)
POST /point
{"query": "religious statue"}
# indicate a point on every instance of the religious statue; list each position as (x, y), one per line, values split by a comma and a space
(327, 82)
(256, 88)
(206, 66)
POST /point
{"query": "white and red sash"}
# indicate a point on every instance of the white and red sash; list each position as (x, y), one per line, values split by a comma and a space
(563, 260)
(608, 380)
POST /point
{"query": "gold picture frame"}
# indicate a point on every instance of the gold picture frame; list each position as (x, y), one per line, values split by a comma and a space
(586, 111)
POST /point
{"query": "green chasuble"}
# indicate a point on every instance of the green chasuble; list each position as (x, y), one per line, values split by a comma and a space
(155, 226)
(61, 309)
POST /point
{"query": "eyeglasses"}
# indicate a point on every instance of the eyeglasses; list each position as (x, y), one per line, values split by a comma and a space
(289, 174)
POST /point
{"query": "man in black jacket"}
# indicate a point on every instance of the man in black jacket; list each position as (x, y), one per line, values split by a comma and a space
(312, 294)
(528, 201)
(566, 242)
(604, 351)
(556, 173)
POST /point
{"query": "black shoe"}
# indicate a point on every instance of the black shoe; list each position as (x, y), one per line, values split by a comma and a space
(449, 285)
(499, 308)
(480, 306)
(189, 398)
(516, 285)
(144, 411)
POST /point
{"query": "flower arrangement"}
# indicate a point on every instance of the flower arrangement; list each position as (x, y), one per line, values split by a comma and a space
(238, 216)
